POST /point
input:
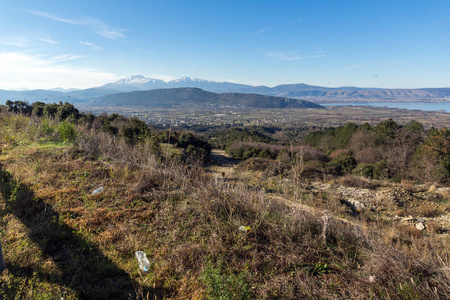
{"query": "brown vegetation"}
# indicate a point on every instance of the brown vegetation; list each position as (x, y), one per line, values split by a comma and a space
(62, 240)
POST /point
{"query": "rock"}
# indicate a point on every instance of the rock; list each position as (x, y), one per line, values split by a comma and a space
(420, 220)
(420, 226)
(355, 205)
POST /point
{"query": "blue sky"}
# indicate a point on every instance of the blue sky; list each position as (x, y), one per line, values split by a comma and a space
(367, 43)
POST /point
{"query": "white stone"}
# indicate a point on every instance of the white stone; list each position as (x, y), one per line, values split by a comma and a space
(420, 226)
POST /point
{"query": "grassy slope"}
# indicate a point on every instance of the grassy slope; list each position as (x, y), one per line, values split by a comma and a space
(59, 240)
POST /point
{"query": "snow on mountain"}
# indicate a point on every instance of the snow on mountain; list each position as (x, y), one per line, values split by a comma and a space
(188, 79)
(139, 82)
(136, 79)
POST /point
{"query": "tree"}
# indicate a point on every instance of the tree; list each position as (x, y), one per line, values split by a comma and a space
(67, 110)
(38, 109)
(135, 131)
(400, 149)
(346, 162)
(386, 130)
(436, 151)
(19, 107)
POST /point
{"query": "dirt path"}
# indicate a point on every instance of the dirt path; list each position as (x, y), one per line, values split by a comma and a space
(221, 159)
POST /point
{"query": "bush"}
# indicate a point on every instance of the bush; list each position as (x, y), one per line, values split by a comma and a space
(357, 182)
(222, 286)
(365, 170)
(338, 153)
(346, 162)
(367, 155)
(67, 132)
(135, 131)
(429, 211)
(379, 171)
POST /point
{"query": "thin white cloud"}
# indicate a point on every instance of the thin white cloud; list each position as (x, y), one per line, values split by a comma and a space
(285, 56)
(297, 20)
(15, 41)
(92, 46)
(262, 30)
(96, 25)
(48, 40)
(62, 58)
(357, 66)
(39, 72)
(360, 65)
(52, 17)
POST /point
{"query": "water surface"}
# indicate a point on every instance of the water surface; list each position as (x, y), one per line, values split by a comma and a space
(433, 106)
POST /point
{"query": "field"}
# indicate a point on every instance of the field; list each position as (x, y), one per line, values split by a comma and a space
(305, 238)
(331, 116)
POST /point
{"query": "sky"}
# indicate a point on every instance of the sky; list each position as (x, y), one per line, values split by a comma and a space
(81, 44)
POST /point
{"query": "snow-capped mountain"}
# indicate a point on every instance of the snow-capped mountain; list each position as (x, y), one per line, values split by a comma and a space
(136, 79)
(139, 82)
(135, 82)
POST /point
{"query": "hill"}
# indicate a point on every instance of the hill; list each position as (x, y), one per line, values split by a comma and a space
(300, 90)
(209, 232)
(189, 97)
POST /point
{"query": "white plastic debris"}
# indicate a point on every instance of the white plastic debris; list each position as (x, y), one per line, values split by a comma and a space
(244, 229)
(99, 190)
(142, 259)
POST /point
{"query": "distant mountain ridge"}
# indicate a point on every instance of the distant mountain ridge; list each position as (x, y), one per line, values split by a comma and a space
(195, 97)
(299, 90)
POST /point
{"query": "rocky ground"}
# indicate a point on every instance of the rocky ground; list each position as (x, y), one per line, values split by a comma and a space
(416, 206)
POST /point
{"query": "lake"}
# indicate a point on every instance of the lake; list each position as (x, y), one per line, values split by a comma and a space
(432, 106)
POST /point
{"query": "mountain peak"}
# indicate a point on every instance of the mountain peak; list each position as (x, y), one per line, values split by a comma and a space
(188, 79)
(134, 79)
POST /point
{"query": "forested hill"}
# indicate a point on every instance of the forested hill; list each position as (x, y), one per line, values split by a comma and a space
(194, 97)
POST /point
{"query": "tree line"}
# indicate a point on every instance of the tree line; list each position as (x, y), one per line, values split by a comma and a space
(133, 130)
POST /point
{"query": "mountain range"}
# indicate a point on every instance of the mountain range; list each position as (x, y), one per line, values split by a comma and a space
(301, 90)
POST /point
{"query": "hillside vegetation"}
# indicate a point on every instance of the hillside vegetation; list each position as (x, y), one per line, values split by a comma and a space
(189, 97)
(60, 240)
(387, 150)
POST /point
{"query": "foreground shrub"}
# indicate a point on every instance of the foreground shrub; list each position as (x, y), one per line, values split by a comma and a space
(222, 285)
(67, 132)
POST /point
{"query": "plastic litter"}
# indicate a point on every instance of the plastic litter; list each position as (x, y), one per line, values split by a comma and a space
(244, 229)
(99, 190)
(142, 259)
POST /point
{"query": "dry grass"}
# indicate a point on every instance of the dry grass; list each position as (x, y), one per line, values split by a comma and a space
(82, 246)
(428, 210)
(408, 185)
(356, 181)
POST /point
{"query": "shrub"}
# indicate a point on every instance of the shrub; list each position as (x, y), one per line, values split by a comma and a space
(379, 170)
(310, 153)
(340, 152)
(347, 163)
(367, 155)
(222, 286)
(354, 181)
(428, 211)
(67, 132)
(314, 169)
(408, 186)
(135, 131)
(365, 170)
